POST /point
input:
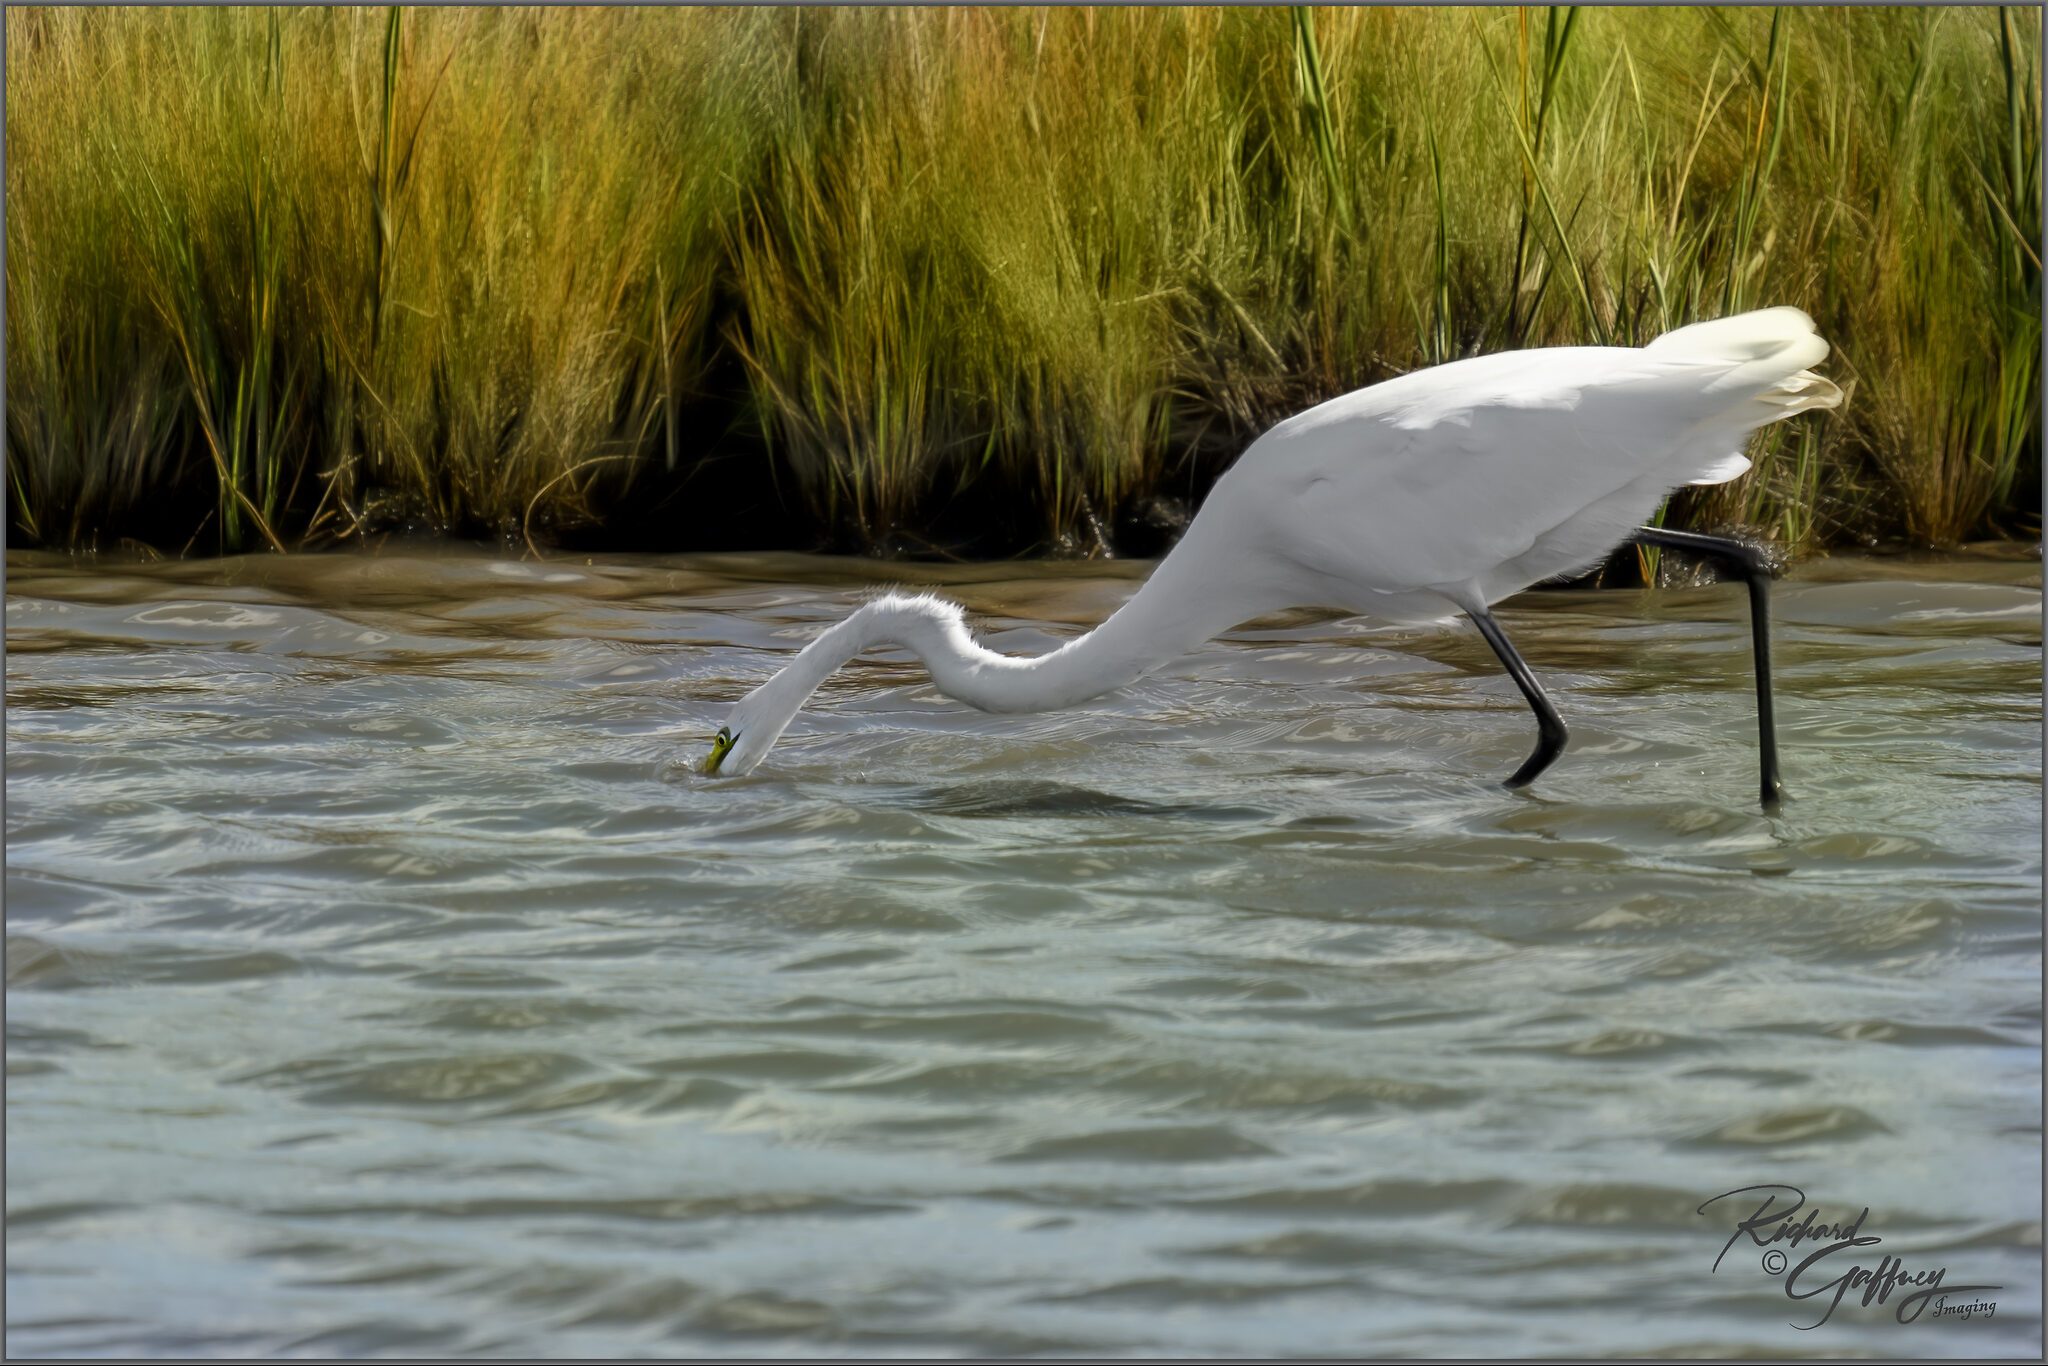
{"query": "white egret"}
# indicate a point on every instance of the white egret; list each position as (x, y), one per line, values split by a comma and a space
(1442, 491)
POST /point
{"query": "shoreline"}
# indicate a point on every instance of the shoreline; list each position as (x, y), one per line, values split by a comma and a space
(428, 546)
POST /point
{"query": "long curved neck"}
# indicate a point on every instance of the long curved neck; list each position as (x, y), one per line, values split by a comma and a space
(1171, 614)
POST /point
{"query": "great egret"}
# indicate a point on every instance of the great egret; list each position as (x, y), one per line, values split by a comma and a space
(1441, 491)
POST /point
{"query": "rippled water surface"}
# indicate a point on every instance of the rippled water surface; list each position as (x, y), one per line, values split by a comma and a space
(383, 980)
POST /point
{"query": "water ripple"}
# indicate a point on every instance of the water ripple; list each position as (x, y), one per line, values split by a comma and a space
(385, 979)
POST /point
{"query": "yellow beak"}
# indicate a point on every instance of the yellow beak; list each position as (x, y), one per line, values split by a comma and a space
(721, 745)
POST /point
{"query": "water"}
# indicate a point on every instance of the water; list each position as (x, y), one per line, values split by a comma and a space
(383, 980)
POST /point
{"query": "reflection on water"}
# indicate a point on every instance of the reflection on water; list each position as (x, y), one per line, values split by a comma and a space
(382, 979)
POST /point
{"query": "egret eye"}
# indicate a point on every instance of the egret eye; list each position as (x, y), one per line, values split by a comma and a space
(721, 745)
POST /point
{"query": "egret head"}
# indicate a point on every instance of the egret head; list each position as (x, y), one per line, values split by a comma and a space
(721, 745)
(755, 723)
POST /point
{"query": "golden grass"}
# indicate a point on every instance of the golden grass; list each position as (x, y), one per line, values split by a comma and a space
(285, 275)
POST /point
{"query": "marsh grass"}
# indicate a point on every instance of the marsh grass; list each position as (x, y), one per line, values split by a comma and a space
(277, 276)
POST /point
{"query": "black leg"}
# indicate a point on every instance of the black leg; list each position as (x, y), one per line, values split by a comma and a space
(1550, 731)
(1755, 569)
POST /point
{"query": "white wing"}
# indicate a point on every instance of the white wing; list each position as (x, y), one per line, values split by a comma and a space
(1440, 478)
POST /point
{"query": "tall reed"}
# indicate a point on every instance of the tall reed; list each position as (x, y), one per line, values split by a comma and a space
(278, 276)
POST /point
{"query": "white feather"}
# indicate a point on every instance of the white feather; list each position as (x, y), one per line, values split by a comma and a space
(1481, 477)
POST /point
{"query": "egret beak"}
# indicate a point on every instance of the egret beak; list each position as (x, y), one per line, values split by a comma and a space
(721, 745)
